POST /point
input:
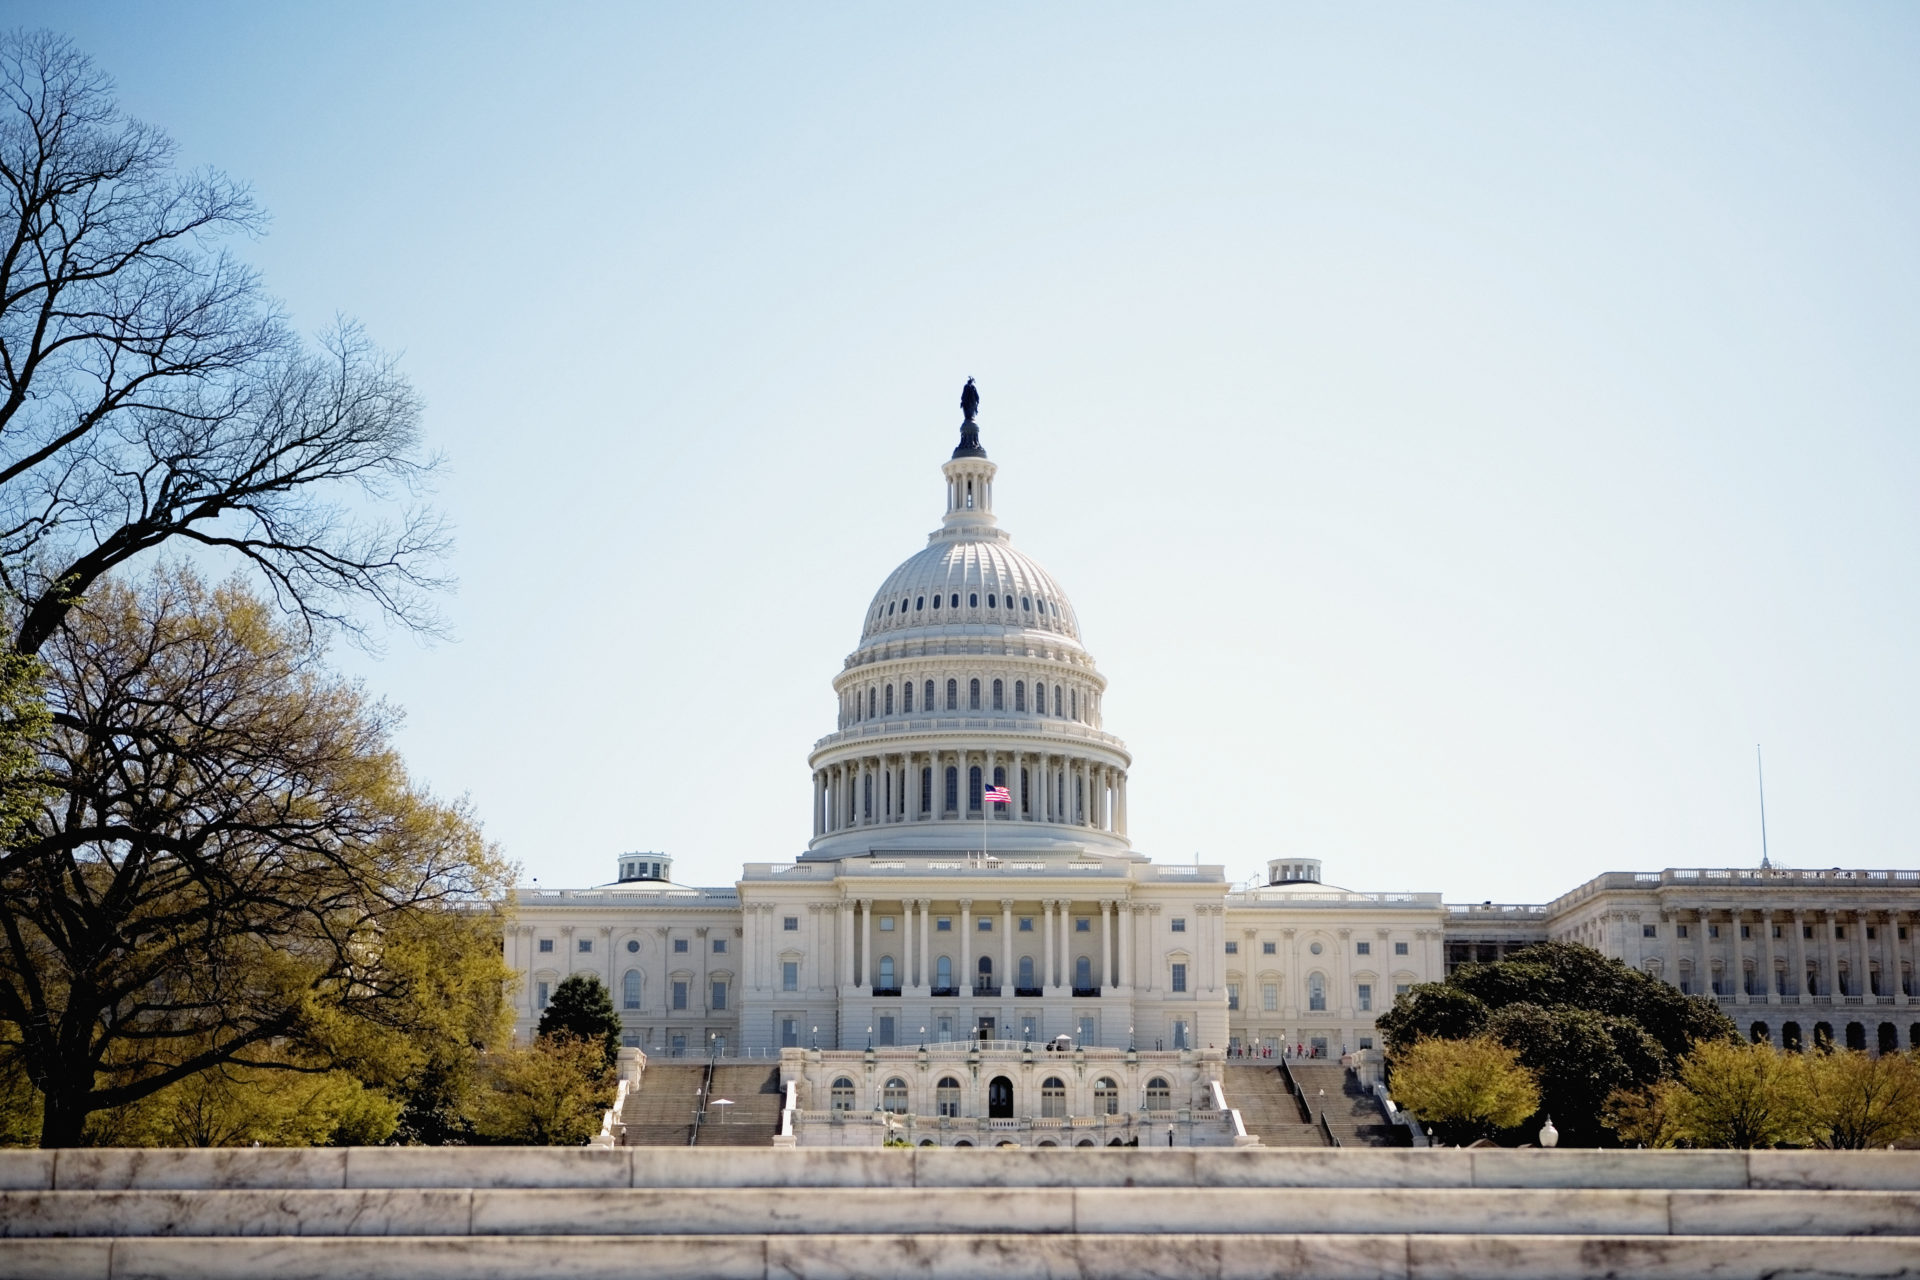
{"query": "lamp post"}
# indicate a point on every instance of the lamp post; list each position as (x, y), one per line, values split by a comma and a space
(869, 1039)
(1549, 1136)
(923, 1039)
(816, 1037)
(1169, 1135)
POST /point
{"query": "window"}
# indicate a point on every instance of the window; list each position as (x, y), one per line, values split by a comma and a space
(790, 924)
(943, 924)
(893, 1095)
(1026, 973)
(1806, 931)
(719, 995)
(927, 702)
(926, 790)
(1083, 973)
(1268, 948)
(889, 710)
(886, 974)
(842, 1094)
(584, 946)
(870, 706)
(1106, 1097)
(906, 698)
(1679, 931)
(1747, 932)
(789, 1033)
(1363, 948)
(789, 975)
(946, 1096)
(1179, 976)
(973, 695)
(543, 994)
(632, 946)
(1233, 995)
(546, 946)
(1083, 924)
(1649, 931)
(886, 1030)
(1401, 988)
(1713, 931)
(1179, 924)
(1317, 993)
(1057, 702)
(1039, 698)
(1840, 933)
(1399, 948)
(679, 946)
(953, 695)
(953, 789)
(999, 695)
(973, 600)
(984, 924)
(1364, 994)
(630, 989)
(954, 600)
(719, 946)
(973, 789)
(993, 601)
(1270, 997)
(1233, 948)
(679, 993)
(943, 972)
(1159, 1096)
(1019, 695)
(936, 602)
(1053, 1098)
(1026, 604)
(1026, 924)
(1314, 947)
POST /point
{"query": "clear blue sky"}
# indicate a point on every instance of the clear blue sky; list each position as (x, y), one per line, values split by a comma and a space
(1464, 431)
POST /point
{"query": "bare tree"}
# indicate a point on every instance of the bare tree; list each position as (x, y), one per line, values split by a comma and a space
(150, 392)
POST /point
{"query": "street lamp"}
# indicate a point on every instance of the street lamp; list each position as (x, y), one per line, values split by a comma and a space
(1549, 1136)
(923, 1039)
(869, 1039)
(1169, 1135)
(816, 1037)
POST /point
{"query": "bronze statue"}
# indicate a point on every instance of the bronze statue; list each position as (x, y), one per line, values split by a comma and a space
(969, 401)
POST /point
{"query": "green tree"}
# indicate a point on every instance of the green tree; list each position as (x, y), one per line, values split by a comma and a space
(233, 1106)
(1465, 1089)
(1579, 1057)
(1857, 1100)
(549, 1093)
(231, 866)
(1726, 1094)
(581, 1006)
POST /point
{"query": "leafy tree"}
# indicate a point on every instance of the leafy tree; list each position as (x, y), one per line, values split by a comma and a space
(1726, 1094)
(149, 390)
(581, 1006)
(1465, 1089)
(231, 866)
(549, 1093)
(1580, 1057)
(232, 1105)
(1856, 1100)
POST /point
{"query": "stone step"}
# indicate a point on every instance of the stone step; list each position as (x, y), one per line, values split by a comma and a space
(1002, 1256)
(655, 1211)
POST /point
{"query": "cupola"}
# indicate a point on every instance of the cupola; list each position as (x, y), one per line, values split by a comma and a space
(1293, 871)
(645, 866)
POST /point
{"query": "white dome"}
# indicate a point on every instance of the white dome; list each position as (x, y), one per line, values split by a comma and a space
(976, 582)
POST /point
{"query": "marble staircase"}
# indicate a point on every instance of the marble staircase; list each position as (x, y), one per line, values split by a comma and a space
(1267, 1106)
(946, 1214)
(1354, 1116)
(660, 1112)
(753, 1118)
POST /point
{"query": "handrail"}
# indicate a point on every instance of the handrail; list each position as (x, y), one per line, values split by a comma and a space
(786, 1112)
(706, 1096)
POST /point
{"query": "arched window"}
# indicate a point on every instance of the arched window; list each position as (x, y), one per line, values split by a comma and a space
(1039, 698)
(886, 982)
(889, 699)
(871, 695)
(919, 603)
(1026, 973)
(943, 972)
(999, 695)
(1317, 992)
(954, 600)
(842, 1094)
(973, 600)
(1083, 972)
(1057, 704)
(1159, 1096)
(973, 789)
(973, 695)
(985, 981)
(893, 1095)
(936, 602)
(1026, 604)
(992, 600)
(953, 789)
(630, 989)
(953, 695)
(1074, 708)
(1019, 695)
(906, 698)
(1026, 794)
(866, 784)
(946, 1096)
(890, 605)
(926, 789)
(1053, 1098)
(1106, 1097)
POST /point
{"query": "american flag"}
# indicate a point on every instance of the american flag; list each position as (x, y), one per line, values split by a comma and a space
(997, 795)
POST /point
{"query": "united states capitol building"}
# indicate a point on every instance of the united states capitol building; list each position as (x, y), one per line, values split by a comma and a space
(926, 911)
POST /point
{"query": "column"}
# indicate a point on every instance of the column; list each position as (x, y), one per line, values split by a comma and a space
(1737, 970)
(1006, 946)
(1066, 943)
(1015, 786)
(925, 928)
(965, 980)
(905, 976)
(1702, 967)
(1767, 957)
(1152, 965)
(1121, 803)
(1894, 919)
(988, 811)
(843, 920)
(1045, 976)
(1124, 970)
(1105, 976)
(1860, 964)
(866, 943)
(1798, 985)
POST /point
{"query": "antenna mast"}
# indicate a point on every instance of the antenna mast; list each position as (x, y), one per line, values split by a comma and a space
(1761, 769)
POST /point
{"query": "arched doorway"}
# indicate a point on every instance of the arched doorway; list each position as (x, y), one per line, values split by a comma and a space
(1759, 1033)
(1000, 1099)
(1889, 1038)
(1790, 1037)
(1857, 1037)
(1823, 1036)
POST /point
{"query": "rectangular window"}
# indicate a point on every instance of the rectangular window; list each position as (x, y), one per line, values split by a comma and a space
(943, 924)
(1233, 995)
(789, 1033)
(1270, 997)
(1839, 932)
(886, 1030)
(1745, 932)
(1399, 948)
(1649, 931)
(719, 946)
(585, 945)
(1679, 931)
(543, 993)
(1179, 924)
(679, 946)
(546, 946)
(1363, 948)
(789, 975)
(1180, 1033)
(1179, 976)
(719, 997)
(1089, 1030)
(886, 924)
(680, 993)
(1233, 948)
(1268, 948)
(1806, 931)
(984, 924)
(1029, 1027)
(1401, 988)
(1365, 994)
(1082, 924)
(943, 1029)
(1776, 932)
(1713, 931)
(1026, 924)
(1873, 934)
(1366, 1042)
(790, 924)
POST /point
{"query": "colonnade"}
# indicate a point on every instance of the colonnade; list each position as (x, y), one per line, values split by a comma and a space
(860, 943)
(1838, 963)
(911, 787)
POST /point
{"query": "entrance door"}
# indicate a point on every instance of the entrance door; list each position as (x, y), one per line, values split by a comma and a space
(1000, 1099)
